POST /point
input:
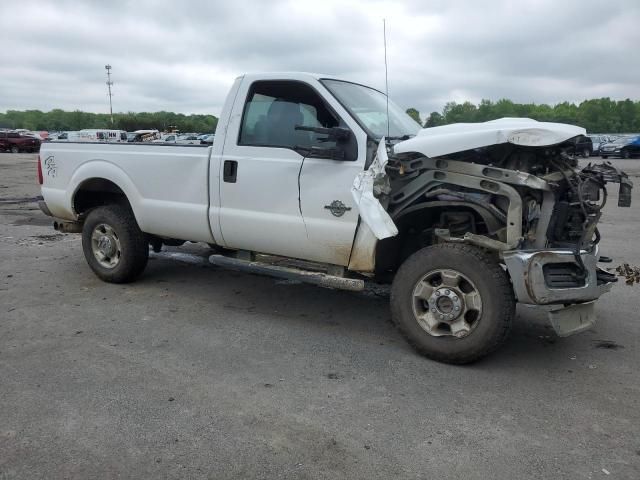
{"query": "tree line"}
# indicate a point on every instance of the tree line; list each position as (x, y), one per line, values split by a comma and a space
(600, 115)
(60, 120)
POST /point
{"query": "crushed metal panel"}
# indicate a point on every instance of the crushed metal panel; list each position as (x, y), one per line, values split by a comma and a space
(363, 254)
(573, 319)
(458, 137)
(364, 189)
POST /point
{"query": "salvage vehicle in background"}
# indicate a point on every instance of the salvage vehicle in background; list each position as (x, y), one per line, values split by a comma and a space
(624, 147)
(597, 141)
(14, 142)
(207, 139)
(188, 139)
(185, 139)
(143, 136)
(168, 138)
(584, 146)
(465, 220)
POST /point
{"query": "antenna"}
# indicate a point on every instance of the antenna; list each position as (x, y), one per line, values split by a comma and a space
(109, 83)
(386, 72)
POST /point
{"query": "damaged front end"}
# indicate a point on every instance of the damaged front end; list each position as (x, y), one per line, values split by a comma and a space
(515, 188)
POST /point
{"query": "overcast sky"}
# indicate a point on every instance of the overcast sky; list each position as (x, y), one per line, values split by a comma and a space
(182, 56)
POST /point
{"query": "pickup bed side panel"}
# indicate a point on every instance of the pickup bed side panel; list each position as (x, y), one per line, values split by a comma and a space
(165, 185)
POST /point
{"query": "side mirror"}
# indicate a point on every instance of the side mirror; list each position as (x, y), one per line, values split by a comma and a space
(346, 146)
(334, 133)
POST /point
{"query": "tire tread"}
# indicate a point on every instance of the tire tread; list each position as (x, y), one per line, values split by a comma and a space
(129, 231)
(501, 286)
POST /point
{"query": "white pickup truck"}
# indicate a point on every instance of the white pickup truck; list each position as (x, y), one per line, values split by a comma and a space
(340, 187)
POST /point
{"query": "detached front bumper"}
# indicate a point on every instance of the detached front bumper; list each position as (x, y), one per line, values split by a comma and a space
(547, 277)
(551, 277)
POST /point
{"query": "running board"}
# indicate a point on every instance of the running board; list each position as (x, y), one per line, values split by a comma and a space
(288, 273)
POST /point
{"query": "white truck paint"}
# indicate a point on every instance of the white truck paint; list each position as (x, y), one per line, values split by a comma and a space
(438, 141)
(278, 190)
(299, 168)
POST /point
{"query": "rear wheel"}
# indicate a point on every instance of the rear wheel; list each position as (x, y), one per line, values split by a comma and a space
(586, 153)
(114, 246)
(15, 149)
(454, 303)
(626, 154)
(605, 156)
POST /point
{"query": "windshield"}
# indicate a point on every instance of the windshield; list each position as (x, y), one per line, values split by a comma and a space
(369, 108)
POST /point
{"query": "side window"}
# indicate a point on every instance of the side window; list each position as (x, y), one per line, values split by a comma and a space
(275, 108)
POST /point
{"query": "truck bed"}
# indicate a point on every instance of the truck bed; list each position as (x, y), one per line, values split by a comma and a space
(167, 185)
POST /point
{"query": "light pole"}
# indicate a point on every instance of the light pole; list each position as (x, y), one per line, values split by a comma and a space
(109, 83)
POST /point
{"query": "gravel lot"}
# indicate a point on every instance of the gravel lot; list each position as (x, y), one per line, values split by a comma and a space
(198, 372)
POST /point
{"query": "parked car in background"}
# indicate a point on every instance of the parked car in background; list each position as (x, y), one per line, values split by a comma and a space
(60, 136)
(170, 138)
(207, 140)
(15, 142)
(188, 139)
(624, 147)
(143, 136)
(179, 139)
(597, 141)
(583, 146)
(29, 133)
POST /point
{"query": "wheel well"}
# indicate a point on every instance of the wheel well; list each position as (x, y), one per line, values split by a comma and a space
(416, 227)
(96, 192)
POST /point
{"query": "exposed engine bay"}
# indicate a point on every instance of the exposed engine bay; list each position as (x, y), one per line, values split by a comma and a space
(559, 204)
(517, 190)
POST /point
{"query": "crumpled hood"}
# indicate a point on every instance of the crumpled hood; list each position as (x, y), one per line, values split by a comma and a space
(458, 137)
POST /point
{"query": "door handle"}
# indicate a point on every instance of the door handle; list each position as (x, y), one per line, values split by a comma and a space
(230, 171)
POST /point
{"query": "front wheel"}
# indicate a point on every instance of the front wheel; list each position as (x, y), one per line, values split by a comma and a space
(586, 153)
(454, 303)
(626, 154)
(114, 246)
(15, 149)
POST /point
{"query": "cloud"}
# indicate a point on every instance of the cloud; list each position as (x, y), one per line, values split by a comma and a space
(183, 56)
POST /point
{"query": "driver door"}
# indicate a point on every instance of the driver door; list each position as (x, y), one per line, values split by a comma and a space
(276, 196)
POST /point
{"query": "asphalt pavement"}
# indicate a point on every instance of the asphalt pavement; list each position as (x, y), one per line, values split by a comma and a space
(199, 372)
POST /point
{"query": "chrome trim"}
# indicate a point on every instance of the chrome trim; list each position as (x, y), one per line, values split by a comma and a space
(525, 268)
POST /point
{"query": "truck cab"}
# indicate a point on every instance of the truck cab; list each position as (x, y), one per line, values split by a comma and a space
(278, 127)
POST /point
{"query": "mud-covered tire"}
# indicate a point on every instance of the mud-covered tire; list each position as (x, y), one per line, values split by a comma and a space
(132, 243)
(492, 284)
